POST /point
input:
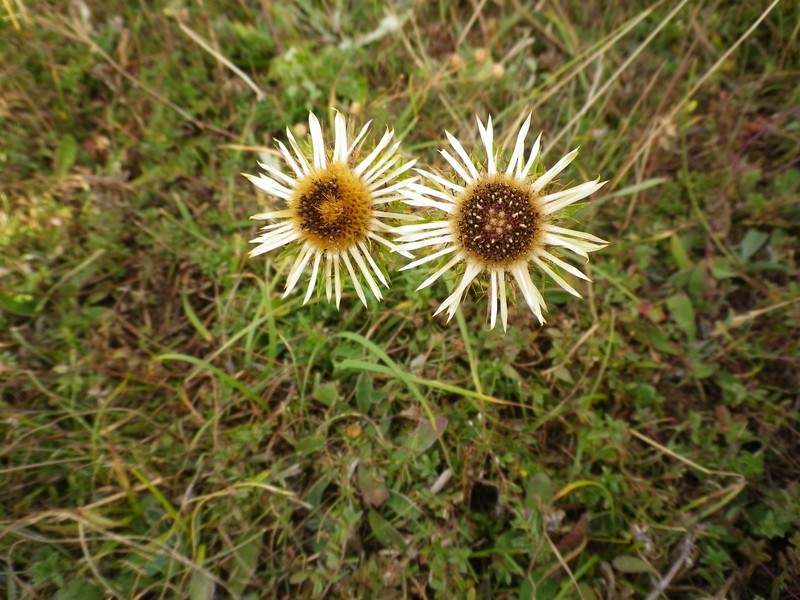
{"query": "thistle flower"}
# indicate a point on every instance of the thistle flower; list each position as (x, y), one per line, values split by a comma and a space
(498, 222)
(333, 207)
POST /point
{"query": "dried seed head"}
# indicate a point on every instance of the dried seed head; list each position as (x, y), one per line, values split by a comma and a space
(356, 108)
(498, 70)
(300, 129)
(455, 62)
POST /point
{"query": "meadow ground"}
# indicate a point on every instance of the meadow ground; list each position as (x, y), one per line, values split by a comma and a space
(172, 428)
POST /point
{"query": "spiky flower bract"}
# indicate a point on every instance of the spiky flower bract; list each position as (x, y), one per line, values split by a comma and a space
(498, 221)
(333, 205)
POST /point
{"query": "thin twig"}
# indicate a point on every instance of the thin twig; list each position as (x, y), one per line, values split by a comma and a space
(79, 35)
(260, 95)
(678, 106)
(684, 559)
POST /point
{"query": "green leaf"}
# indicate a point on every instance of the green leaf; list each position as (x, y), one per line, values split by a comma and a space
(752, 243)
(246, 553)
(78, 590)
(354, 88)
(403, 507)
(538, 490)
(22, 305)
(644, 394)
(787, 182)
(49, 566)
(383, 531)
(721, 269)
(679, 252)
(314, 496)
(702, 370)
(769, 523)
(696, 282)
(201, 586)
(631, 564)
(766, 266)
(510, 372)
(326, 393)
(585, 591)
(546, 589)
(682, 312)
(364, 392)
(66, 153)
(652, 336)
(424, 436)
(525, 591)
(308, 445)
(154, 174)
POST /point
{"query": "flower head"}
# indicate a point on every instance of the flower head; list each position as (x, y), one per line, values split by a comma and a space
(499, 222)
(332, 207)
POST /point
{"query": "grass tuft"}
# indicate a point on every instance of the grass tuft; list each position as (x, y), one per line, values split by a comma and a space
(173, 428)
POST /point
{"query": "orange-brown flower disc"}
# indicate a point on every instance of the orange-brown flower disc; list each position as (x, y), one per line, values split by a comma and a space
(333, 208)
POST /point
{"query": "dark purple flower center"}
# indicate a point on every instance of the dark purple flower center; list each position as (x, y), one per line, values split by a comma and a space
(497, 221)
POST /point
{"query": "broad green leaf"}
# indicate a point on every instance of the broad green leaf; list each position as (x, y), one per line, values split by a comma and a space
(22, 305)
(364, 391)
(201, 586)
(402, 506)
(326, 393)
(66, 154)
(702, 370)
(384, 532)
(679, 252)
(631, 564)
(697, 282)
(424, 436)
(314, 496)
(546, 589)
(682, 312)
(721, 269)
(308, 445)
(585, 590)
(525, 591)
(652, 336)
(78, 590)
(538, 490)
(510, 372)
(246, 553)
(752, 243)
